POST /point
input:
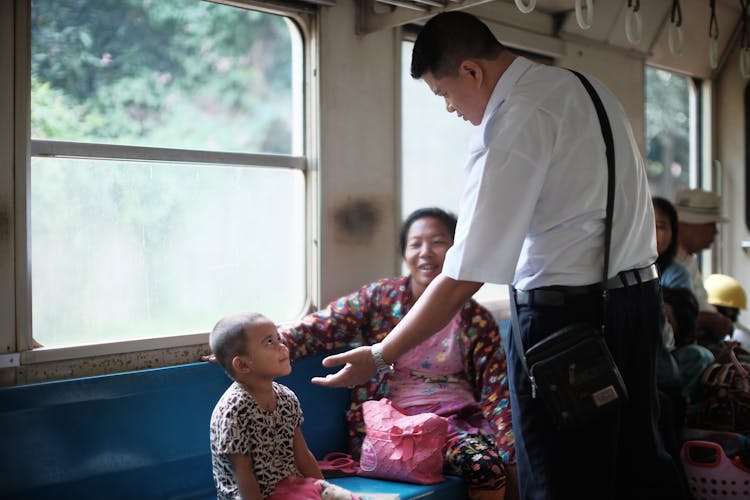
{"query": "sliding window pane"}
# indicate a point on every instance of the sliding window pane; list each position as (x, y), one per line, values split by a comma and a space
(182, 74)
(124, 250)
(670, 132)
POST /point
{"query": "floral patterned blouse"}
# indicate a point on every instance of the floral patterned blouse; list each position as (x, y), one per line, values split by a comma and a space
(367, 315)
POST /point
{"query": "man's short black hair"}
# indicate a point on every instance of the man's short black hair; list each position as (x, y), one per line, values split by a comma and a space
(449, 38)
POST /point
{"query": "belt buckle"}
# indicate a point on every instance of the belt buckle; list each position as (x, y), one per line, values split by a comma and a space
(631, 277)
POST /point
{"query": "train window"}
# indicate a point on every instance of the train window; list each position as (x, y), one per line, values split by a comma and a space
(167, 169)
(182, 74)
(434, 145)
(671, 157)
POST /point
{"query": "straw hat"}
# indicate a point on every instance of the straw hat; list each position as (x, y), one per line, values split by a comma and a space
(696, 206)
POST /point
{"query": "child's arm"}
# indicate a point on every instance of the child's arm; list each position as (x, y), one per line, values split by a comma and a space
(303, 457)
(242, 471)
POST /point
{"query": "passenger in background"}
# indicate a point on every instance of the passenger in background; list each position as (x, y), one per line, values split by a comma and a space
(698, 212)
(459, 373)
(671, 274)
(681, 309)
(728, 297)
(257, 446)
(681, 362)
(685, 364)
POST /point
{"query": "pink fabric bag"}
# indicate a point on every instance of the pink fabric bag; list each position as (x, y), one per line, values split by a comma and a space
(402, 447)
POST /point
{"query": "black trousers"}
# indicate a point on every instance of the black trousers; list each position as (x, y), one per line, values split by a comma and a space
(621, 456)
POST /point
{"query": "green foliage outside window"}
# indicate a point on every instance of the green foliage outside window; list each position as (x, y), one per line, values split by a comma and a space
(182, 73)
(125, 249)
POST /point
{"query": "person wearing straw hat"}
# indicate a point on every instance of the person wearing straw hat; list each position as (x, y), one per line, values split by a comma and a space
(698, 212)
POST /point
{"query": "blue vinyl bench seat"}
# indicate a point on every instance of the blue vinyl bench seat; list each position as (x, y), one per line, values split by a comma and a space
(144, 434)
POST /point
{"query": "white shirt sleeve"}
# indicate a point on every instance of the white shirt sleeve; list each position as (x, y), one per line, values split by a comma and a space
(500, 195)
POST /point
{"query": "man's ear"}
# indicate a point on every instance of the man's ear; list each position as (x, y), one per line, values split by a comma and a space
(240, 364)
(473, 70)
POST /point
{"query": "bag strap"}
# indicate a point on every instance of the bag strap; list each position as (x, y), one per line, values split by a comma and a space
(610, 154)
(338, 463)
(609, 143)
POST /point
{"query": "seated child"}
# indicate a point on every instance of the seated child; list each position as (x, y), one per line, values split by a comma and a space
(257, 447)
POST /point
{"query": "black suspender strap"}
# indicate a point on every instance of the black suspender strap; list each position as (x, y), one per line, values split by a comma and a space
(610, 154)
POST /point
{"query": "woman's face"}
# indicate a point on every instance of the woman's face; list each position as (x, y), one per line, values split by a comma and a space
(427, 242)
(663, 231)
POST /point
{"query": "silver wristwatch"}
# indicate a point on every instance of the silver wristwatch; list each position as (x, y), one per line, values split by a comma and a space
(377, 356)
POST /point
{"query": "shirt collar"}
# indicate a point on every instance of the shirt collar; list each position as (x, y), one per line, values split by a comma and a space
(504, 85)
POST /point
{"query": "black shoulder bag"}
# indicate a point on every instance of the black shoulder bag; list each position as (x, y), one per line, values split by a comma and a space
(572, 370)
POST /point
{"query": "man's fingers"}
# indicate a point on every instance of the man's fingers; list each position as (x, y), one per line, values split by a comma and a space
(332, 380)
(336, 359)
(358, 368)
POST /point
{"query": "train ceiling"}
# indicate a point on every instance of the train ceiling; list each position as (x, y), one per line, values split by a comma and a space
(553, 23)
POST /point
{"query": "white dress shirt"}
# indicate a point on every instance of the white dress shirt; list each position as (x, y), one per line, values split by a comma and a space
(532, 211)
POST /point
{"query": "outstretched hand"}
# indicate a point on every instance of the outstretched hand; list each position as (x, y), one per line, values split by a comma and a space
(359, 367)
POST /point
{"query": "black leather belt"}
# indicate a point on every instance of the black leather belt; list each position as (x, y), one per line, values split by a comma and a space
(557, 295)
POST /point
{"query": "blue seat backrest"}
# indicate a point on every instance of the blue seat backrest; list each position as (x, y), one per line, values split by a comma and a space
(324, 409)
(141, 434)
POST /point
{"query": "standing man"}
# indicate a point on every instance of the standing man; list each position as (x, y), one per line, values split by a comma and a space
(532, 214)
(698, 212)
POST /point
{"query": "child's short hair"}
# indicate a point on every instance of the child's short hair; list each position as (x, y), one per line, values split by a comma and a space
(228, 338)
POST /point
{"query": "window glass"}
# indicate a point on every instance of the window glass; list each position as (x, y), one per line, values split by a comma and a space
(178, 74)
(434, 145)
(434, 149)
(125, 249)
(670, 154)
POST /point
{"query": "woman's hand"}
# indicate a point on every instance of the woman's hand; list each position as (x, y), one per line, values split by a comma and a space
(359, 368)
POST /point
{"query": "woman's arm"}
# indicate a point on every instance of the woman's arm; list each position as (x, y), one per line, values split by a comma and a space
(242, 471)
(303, 457)
(333, 327)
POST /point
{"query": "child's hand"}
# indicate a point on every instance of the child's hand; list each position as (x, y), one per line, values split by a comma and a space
(210, 358)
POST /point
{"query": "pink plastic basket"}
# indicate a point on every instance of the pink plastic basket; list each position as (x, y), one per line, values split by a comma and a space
(711, 475)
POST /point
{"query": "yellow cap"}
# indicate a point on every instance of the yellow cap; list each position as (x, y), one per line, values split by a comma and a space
(725, 291)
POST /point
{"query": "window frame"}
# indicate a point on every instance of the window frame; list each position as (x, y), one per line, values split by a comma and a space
(16, 298)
